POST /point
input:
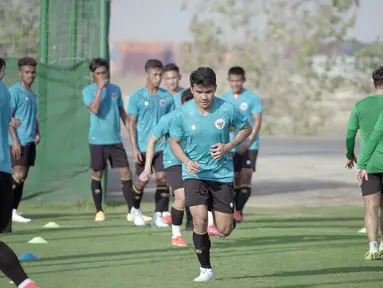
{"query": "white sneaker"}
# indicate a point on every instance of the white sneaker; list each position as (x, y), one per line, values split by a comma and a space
(138, 218)
(205, 275)
(129, 217)
(158, 221)
(18, 218)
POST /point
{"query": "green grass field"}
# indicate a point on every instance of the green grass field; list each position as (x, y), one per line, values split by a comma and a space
(308, 247)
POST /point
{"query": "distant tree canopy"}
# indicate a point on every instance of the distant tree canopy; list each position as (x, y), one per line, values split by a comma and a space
(19, 21)
(276, 42)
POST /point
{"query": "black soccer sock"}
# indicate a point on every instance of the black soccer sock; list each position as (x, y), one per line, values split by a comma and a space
(165, 205)
(202, 249)
(236, 196)
(189, 217)
(137, 196)
(177, 216)
(162, 198)
(244, 195)
(10, 265)
(127, 190)
(17, 187)
(97, 193)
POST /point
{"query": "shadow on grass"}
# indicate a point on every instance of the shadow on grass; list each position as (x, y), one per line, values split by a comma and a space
(63, 229)
(286, 240)
(325, 271)
(305, 219)
(122, 233)
(301, 226)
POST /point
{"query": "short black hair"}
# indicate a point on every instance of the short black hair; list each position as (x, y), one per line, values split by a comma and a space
(186, 96)
(237, 70)
(171, 67)
(3, 64)
(153, 64)
(204, 76)
(27, 61)
(98, 62)
(377, 76)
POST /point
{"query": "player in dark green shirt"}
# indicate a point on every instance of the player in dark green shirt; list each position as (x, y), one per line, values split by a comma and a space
(363, 118)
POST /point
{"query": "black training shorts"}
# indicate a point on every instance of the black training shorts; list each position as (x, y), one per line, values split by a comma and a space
(174, 177)
(217, 196)
(157, 164)
(28, 155)
(100, 154)
(373, 185)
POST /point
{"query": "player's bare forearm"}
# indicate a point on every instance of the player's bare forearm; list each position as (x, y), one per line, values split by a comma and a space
(12, 131)
(124, 118)
(94, 107)
(150, 152)
(257, 127)
(133, 130)
(178, 151)
(240, 137)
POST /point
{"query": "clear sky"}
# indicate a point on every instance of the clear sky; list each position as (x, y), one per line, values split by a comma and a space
(163, 20)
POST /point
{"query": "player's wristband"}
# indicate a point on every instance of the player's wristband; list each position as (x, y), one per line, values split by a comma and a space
(350, 157)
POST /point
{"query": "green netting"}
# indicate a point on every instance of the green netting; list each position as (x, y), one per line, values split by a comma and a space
(72, 32)
(62, 172)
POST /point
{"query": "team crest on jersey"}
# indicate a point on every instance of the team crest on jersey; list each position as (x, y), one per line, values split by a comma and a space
(163, 102)
(146, 103)
(244, 106)
(114, 95)
(220, 124)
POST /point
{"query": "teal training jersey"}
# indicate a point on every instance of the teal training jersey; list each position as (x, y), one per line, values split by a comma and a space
(249, 104)
(149, 109)
(105, 126)
(5, 119)
(24, 106)
(198, 133)
(162, 130)
(177, 98)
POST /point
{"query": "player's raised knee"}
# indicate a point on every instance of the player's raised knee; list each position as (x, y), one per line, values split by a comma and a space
(225, 228)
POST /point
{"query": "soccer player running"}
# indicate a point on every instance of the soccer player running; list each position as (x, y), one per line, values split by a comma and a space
(244, 155)
(364, 116)
(200, 140)
(172, 77)
(104, 101)
(9, 264)
(24, 138)
(173, 168)
(145, 108)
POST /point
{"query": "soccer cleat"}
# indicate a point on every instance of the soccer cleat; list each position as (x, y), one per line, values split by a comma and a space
(138, 218)
(158, 221)
(212, 231)
(18, 218)
(380, 252)
(167, 217)
(32, 285)
(130, 218)
(100, 216)
(372, 255)
(178, 241)
(206, 274)
(238, 216)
